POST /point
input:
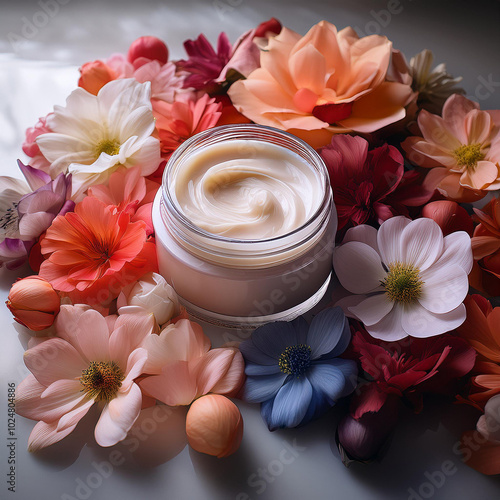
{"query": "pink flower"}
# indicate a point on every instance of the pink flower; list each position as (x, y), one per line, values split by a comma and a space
(323, 83)
(31, 148)
(147, 48)
(179, 121)
(363, 181)
(462, 147)
(130, 193)
(183, 366)
(93, 359)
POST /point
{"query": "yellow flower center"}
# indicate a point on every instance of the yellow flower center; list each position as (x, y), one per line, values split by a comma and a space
(403, 283)
(468, 155)
(107, 146)
(101, 380)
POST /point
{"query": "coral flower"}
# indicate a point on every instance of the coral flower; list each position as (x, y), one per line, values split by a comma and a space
(363, 181)
(410, 280)
(482, 330)
(130, 193)
(179, 121)
(93, 252)
(462, 147)
(486, 242)
(323, 83)
(91, 361)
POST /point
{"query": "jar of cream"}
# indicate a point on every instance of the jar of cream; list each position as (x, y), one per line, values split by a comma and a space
(245, 225)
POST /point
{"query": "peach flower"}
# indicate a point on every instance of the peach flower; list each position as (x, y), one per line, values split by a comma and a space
(462, 147)
(93, 360)
(33, 302)
(214, 426)
(323, 83)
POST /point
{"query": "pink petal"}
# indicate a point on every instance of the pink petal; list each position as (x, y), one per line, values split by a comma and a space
(358, 267)
(478, 126)
(53, 360)
(44, 434)
(118, 416)
(481, 177)
(212, 368)
(135, 366)
(93, 336)
(70, 419)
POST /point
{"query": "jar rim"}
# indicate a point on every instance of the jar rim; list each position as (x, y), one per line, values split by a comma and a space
(266, 132)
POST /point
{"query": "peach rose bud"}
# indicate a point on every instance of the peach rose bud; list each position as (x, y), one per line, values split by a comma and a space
(94, 75)
(34, 303)
(148, 47)
(450, 216)
(214, 426)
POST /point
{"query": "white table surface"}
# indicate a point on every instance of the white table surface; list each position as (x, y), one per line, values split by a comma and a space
(42, 70)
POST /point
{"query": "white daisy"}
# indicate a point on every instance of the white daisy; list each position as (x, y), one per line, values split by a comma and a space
(410, 280)
(94, 135)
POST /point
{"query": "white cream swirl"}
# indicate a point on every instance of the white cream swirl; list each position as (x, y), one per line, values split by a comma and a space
(246, 189)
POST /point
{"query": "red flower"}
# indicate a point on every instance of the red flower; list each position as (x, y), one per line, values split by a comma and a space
(365, 182)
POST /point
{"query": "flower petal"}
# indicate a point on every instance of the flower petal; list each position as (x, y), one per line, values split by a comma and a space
(421, 323)
(456, 251)
(358, 267)
(258, 389)
(273, 338)
(388, 239)
(291, 403)
(329, 333)
(373, 309)
(390, 327)
(364, 233)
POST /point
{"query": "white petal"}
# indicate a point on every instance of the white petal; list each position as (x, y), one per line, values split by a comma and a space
(388, 239)
(445, 289)
(457, 250)
(419, 322)
(358, 267)
(373, 309)
(421, 243)
(364, 233)
(389, 328)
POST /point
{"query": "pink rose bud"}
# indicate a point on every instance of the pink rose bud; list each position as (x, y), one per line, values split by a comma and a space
(34, 303)
(450, 216)
(214, 426)
(94, 76)
(149, 48)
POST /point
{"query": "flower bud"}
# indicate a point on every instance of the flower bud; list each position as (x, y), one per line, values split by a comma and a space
(34, 303)
(94, 76)
(449, 215)
(150, 294)
(148, 48)
(270, 26)
(214, 426)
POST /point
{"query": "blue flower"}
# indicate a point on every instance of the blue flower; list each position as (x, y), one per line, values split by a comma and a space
(293, 369)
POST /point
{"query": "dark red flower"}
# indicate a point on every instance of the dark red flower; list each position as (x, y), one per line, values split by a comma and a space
(370, 186)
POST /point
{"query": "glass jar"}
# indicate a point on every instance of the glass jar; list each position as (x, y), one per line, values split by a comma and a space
(245, 282)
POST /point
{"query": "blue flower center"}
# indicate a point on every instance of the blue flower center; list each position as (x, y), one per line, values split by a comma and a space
(295, 359)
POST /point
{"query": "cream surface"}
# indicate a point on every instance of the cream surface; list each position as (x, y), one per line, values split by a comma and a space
(246, 189)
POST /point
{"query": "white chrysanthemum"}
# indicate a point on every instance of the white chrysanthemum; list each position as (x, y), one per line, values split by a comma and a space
(434, 85)
(94, 135)
(409, 279)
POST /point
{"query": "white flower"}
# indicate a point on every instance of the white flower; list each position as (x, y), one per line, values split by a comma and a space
(151, 294)
(94, 135)
(11, 191)
(414, 279)
(489, 424)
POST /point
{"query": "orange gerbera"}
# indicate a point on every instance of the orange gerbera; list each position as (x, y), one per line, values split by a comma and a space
(93, 252)
(482, 330)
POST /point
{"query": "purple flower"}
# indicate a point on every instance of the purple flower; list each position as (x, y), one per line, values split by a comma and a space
(293, 369)
(25, 215)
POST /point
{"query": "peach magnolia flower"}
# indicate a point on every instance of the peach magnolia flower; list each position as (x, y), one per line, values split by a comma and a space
(183, 366)
(323, 83)
(93, 252)
(93, 360)
(462, 147)
(33, 302)
(184, 118)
